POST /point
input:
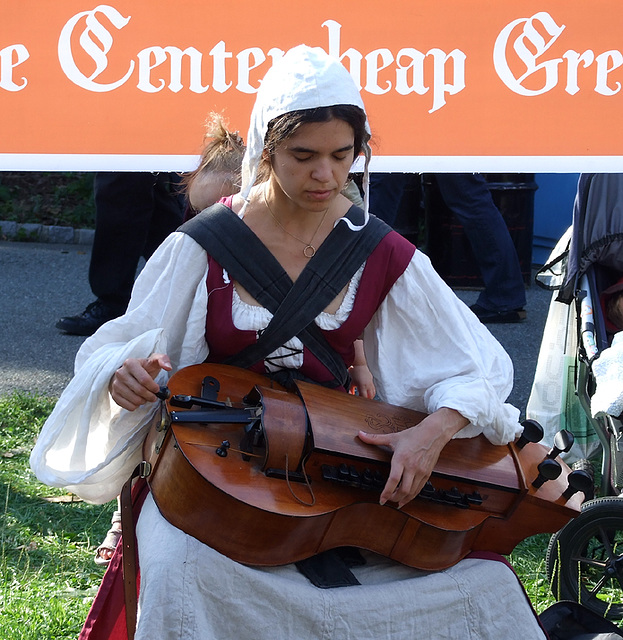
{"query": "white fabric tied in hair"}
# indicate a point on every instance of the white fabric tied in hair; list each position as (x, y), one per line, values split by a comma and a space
(304, 78)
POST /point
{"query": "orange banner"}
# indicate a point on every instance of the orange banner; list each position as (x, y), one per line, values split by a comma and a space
(477, 85)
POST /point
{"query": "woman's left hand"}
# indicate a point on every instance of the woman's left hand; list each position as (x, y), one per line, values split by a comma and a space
(362, 381)
(415, 452)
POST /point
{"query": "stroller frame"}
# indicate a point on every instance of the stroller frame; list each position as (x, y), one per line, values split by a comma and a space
(585, 558)
(592, 340)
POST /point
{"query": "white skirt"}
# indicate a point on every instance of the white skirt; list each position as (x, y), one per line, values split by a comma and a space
(191, 592)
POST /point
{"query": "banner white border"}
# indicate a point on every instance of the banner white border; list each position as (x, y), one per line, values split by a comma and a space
(399, 164)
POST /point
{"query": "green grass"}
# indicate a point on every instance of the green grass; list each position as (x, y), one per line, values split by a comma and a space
(528, 560)
(47, 574)
(52, 198)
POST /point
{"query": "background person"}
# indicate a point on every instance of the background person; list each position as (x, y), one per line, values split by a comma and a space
(218, 172)
(468, 197)
(612, 303)
(134, 213)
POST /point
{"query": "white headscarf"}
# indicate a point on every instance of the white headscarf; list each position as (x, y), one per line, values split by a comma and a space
(304, 78)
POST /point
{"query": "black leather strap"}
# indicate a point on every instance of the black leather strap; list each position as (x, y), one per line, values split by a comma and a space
(332, 568)
(294, 305)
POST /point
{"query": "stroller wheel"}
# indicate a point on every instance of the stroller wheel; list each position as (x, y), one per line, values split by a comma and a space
(585, 558)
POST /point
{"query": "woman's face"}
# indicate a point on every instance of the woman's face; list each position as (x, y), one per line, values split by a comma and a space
(311, 167)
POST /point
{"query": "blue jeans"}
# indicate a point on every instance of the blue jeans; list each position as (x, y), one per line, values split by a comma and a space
(386, 191)
(468, 197)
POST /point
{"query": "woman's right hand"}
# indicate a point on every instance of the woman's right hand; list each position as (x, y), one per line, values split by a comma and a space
(133, 384)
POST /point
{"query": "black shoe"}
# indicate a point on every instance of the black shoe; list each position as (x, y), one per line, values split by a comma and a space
(90, 320)
(489, 317)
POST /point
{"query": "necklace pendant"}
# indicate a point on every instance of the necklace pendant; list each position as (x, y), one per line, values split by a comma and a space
(309, 251)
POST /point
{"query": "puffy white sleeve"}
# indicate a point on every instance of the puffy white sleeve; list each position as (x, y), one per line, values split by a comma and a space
(89, 444)
(427, 350)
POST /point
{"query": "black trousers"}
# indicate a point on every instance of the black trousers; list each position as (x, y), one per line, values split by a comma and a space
(135, 212)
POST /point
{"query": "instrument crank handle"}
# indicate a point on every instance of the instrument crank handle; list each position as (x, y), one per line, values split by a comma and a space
(186, 401)
(164, 393)
(563, 441)
(579, 480)
(548, 470)
(532, 432)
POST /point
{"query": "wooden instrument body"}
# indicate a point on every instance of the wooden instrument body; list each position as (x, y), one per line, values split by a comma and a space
(231, 504)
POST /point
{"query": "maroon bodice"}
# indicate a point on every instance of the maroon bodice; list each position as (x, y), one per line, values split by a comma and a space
(383, 267)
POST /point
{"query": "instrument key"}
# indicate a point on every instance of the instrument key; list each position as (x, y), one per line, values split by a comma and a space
(532, 432)
(579, 480)
(563, 441)
(548, 470)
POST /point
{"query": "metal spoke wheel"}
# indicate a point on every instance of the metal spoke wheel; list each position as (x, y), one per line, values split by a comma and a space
(585, 558)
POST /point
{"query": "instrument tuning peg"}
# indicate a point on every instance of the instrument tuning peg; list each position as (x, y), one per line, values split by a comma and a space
(532, 432)
(223, 449)
(548, 470)
(563, 441)
(579, 480)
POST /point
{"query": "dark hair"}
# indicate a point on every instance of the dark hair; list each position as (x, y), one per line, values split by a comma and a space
(284, 126)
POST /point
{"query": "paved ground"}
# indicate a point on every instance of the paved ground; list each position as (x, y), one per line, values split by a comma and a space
(38, 284)
(41, 282)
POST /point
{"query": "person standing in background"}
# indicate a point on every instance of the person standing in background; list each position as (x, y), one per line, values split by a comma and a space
(504, 296)
(468, 197)
(134, 213)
